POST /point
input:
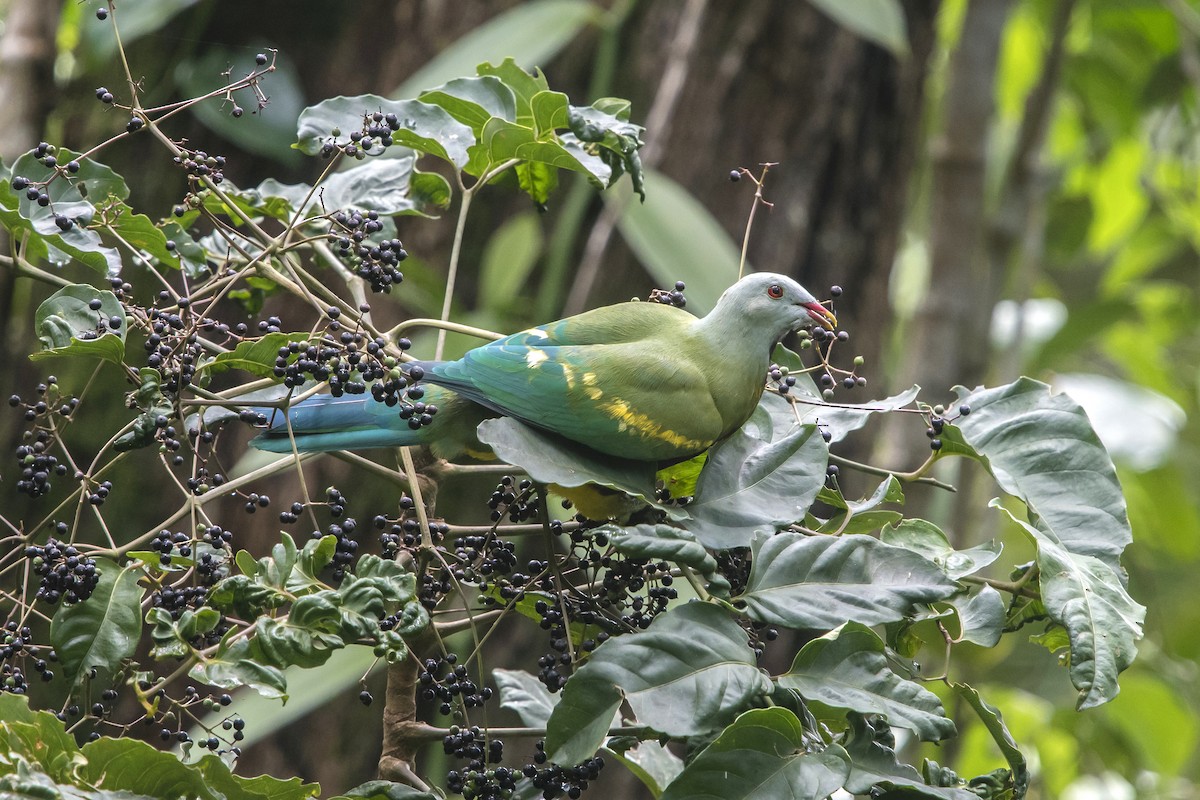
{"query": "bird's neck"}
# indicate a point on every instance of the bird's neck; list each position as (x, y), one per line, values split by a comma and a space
(740, 335)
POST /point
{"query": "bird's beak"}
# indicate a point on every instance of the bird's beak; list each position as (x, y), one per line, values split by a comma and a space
(821, 315)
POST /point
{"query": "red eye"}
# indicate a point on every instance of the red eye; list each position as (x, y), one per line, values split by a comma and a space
(775, 291)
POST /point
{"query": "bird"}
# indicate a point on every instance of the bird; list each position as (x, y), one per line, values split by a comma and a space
(641, 381)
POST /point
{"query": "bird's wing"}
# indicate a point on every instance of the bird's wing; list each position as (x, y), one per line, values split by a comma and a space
(636, 399)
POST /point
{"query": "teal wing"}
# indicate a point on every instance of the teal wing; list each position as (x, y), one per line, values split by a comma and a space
(636, 399)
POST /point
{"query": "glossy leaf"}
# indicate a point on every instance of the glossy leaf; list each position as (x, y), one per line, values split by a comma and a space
(389, 186)
(981, 617)
(760, 479)
(1087, 597)
(848, 668)
(102, 631)
(992, 720)
(761, 756)
(928, 540)
(425, 128)
(651, 763)
(689, 673)
(473, 101)
(820, 582)
(255, 356)
(666, 543)
(526, 695)
(874, 764)
(67, 326)
(235, 665)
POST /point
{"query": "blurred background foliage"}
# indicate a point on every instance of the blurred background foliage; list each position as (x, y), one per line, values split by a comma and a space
(1003, 187)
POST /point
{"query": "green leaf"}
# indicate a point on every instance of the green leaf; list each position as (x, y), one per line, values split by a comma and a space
(508, 259)
(678, 239)
(928, 540)
(235, 665)
(762, 478)
(426, 128)
(877, 21)
(524, 85)
(385, 790)
(66, 326)
(1042, 449)
(102, 631)
(848, 668)
(689, 673)
(981, 617)
(991, 718)
(650, 762)
(553, 460)
(821, 582)
(140, 232)
(761, 756)
(473, 101)
(1087, 597)
(37, 736)
(873, 763)
(504, 140)
(256, 356)
(525, 695)
(534, 31)
(389, 186)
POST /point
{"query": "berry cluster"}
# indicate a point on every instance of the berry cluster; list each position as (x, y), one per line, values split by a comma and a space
(65, 574)
(16, 642)
(347, 545)
(376, 263)
(456, 682)
(937, 422)
(518, 505)
(477, 781)
(670, 297)
(554, 779)
(36, 464)
(198, 164)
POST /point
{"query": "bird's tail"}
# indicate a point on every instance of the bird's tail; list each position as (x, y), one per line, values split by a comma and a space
(322, 423)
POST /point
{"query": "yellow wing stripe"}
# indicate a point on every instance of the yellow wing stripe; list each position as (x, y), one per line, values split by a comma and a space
(619, 410)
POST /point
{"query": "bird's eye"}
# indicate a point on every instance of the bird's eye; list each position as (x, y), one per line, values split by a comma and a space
(775, 291)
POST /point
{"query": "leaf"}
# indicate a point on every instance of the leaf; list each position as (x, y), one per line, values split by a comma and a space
(473, 101)
(102, 631)
(256, 356)
(385, 790)
(878, 21)
(848, 668)
(651, 763)
(140, 232)
(821, 582)
(926, 539)
(423, 127)
(678, 239)
(526, 695)
(1042, 449)
(665, 543)
(873, 763)
(763, 477)
(504, 140)
(389, 186)
(536, 30)
(761, 755)
(689, 673)
(1087, 597)
(234, 665)
(38, 736)
(508, 258)
(990, 716)
(551, 459)
(67, 326)
(981, 617)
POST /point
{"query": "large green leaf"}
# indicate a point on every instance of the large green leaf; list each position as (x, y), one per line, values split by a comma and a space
(761, 756)
(473, 101)
(102, 631)
(387, 185)
(873, 763)
(550, 459)
(1087, 597)
(526, 695)
(877, 21)
(256, 356)
(1042, 449)
(689, 673)
(423, 127)
(37, 736)
(820, 582)
(66, 325)
(235, 665)
(762, 478)
(980, 617)
(532, 31)
(848, 668)
(991, 718)
(667, 543)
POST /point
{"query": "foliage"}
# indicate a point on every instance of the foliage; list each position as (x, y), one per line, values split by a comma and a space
(762, 534)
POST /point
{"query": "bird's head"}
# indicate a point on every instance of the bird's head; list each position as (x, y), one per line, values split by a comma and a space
(776, 301)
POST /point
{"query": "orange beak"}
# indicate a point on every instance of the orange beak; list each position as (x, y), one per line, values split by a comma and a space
(821, 315)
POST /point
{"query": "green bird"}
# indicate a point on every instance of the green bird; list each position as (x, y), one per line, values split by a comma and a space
(639, 381)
